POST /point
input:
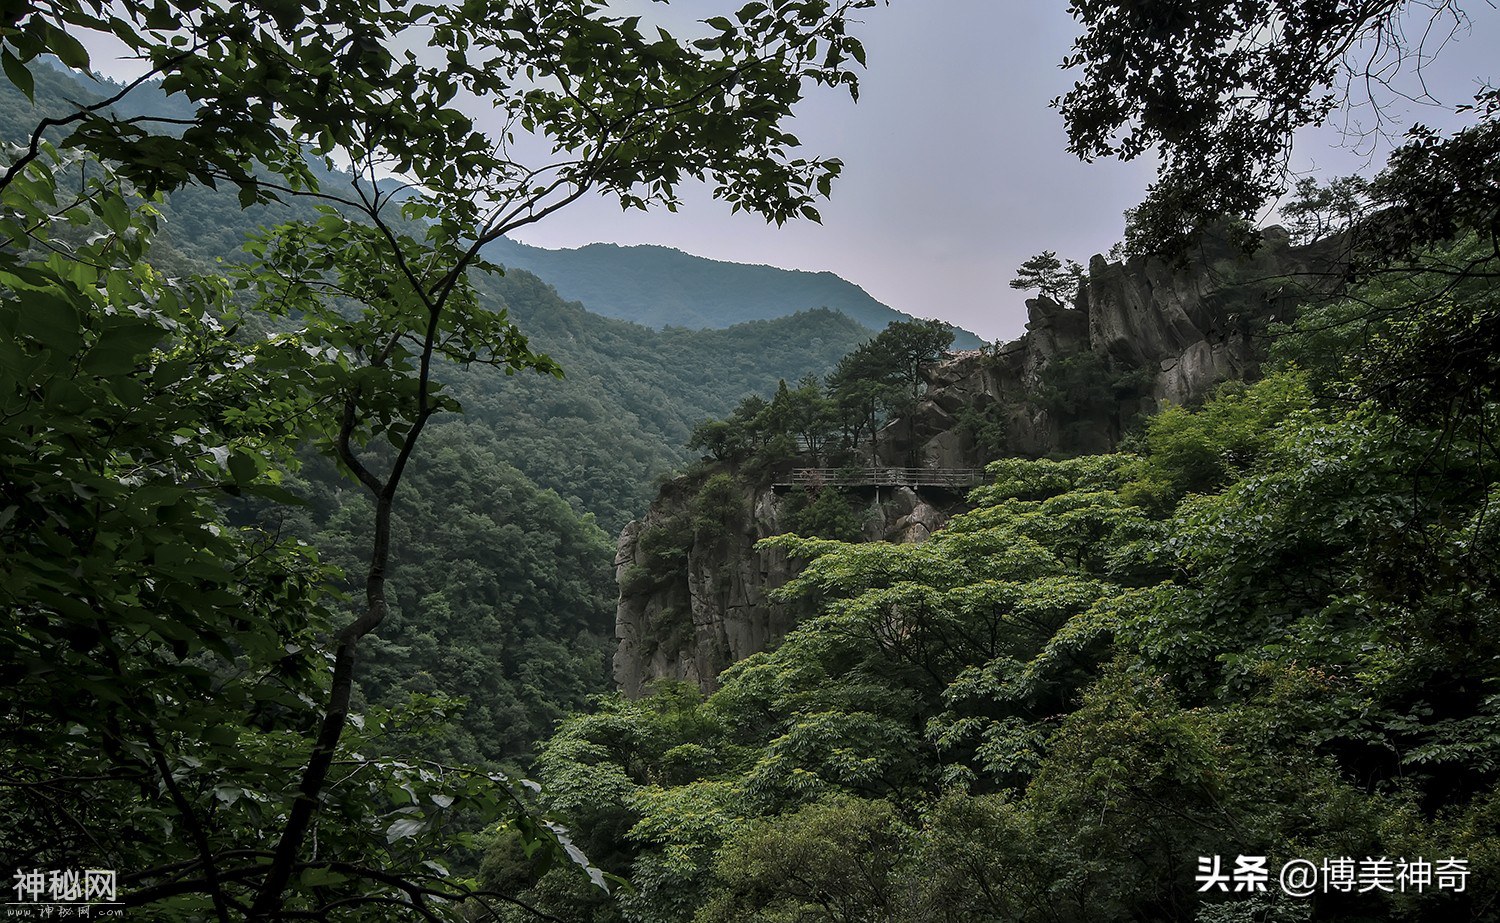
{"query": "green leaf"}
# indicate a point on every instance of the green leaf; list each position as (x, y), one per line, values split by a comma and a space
(122, 341)
(221, 735)
(67, 48)
(53, 322)
(403, 828)
(18, 74)
(244, 467)
(115, 212)
(319, 877)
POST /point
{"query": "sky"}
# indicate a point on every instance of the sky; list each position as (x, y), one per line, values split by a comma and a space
(955, 171)
(955, 167)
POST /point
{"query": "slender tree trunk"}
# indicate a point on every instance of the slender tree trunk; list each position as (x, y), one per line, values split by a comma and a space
(340, 694)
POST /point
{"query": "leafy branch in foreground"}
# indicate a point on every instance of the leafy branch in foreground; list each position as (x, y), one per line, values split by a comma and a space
(202, 709)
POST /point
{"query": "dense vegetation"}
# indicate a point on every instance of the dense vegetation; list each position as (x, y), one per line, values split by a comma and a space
(623, 413)
(247, 556)
(1265, 632)
(531, 646)
(190, 450)
(837, 421)
(600, 436)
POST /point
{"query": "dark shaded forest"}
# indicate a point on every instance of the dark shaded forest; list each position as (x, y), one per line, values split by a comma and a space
(306, 585)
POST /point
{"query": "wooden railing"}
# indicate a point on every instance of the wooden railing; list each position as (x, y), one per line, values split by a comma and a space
(951, 478)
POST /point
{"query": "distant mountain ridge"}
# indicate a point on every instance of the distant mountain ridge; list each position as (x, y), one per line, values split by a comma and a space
(600, 436)
(651, 285)
(661, 287)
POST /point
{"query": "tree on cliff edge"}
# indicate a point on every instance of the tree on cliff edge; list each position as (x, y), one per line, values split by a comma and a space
(885, 374)
(1048, 275)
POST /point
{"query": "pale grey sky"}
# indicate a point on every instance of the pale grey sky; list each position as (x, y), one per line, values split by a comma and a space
(956, 169)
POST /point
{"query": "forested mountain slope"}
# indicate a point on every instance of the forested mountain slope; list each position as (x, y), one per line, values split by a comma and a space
(1183, 633)
(619, 418)
(518, 620)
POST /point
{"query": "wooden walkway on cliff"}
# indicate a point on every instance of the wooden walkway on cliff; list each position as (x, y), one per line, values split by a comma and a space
(949, 478)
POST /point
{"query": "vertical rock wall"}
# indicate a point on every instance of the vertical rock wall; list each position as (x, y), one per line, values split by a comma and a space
(711, 612)
(716, 609)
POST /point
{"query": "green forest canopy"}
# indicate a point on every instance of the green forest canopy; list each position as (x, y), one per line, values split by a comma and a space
(1267, 630)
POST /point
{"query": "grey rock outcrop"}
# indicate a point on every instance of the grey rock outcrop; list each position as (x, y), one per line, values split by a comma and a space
(715, 609)
(1143, 334)
(1193, 327)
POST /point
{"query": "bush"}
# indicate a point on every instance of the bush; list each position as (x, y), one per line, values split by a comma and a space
(672, 627)
(636, 580)
(665, 547)
(718, 511)
(828, 514)
(776, 455)
(837, 859)
(985, 429)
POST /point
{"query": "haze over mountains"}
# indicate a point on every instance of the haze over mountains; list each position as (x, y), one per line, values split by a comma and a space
(650, 285)
(661, 287)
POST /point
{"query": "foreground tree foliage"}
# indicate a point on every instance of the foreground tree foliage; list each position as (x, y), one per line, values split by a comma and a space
(184, 682)
(1217, 90)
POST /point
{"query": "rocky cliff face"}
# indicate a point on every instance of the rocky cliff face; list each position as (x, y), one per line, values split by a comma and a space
(1142, 334)
(691, 605)
(1192, 328)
